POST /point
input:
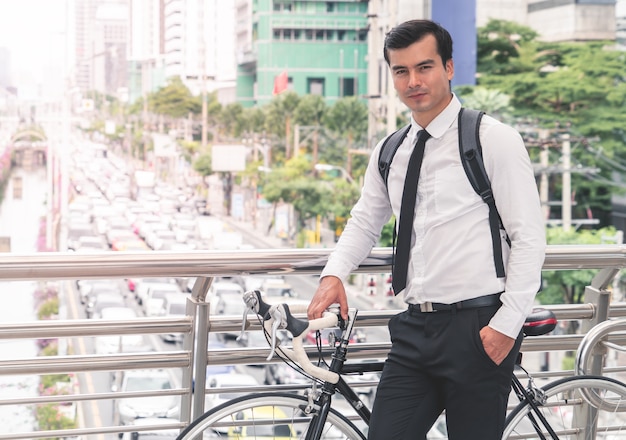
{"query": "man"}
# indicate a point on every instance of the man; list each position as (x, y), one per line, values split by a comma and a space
(460, 357)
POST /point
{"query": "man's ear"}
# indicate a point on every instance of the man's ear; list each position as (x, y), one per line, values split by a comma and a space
(450, 69)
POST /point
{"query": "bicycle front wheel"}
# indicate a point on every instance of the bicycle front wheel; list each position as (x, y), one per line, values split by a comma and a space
(579, 407)
(269, 415)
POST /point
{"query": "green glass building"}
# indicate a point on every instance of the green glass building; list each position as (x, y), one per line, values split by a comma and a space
(319, 46)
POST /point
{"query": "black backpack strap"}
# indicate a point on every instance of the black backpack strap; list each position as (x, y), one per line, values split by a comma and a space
(388, 150)
(385, 156)
(472, 159)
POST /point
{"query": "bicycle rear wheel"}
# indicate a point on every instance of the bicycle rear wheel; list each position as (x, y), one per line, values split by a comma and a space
(269, 415)
(579, 407)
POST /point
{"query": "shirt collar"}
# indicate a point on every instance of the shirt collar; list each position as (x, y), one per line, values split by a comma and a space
(442, 122)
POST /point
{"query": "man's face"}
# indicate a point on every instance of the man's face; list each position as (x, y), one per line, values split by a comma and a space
(421, 79)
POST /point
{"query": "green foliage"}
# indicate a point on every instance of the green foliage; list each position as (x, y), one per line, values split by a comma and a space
(51, 348)
(51, 380)
(569, 361)
(202, 165)
(348, 117)
(49, 418)
(174, 100)
(500, 47)
(386, 235)
(568, 286)
(578, 86)
(292, 184)
(48, 309)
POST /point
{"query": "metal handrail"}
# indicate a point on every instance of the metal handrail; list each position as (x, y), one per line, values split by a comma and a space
(58, 265)
(195, 355)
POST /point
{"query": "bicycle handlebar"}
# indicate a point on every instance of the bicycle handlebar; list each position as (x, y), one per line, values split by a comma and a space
(280, 316)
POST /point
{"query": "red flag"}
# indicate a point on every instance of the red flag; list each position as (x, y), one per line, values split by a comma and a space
(281, 81)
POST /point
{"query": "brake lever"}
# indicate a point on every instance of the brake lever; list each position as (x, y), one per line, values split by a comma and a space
(254, 302)
(279, 316)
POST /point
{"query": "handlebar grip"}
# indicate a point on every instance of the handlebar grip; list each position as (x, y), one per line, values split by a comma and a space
(294, 325)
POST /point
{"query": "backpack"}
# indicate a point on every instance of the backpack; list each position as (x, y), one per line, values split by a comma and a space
(472, 160)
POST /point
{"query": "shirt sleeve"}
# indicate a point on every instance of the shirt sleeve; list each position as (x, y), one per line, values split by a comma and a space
(367, 218)
(515, 191)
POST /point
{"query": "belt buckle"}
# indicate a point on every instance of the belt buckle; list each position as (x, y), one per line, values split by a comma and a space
(426, 307)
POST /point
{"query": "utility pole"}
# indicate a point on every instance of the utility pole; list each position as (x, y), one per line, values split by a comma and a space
(203, 139)
(566, 190)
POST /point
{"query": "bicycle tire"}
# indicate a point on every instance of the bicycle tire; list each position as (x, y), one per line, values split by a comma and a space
(593, 346)
(234, 418)
(568, 416)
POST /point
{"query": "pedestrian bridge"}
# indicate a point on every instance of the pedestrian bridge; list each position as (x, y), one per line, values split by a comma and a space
(29, 146)
(194, 354)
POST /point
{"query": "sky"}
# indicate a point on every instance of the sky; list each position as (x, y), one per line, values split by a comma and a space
(34, 32)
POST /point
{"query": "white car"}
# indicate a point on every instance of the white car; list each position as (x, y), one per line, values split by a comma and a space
(174, 305)
(155, 298)
(120, 343)
(152, 434)
(142, 285)
(216, 381)
(130, 408)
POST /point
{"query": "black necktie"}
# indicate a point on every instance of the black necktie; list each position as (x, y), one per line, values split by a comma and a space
(407, 212)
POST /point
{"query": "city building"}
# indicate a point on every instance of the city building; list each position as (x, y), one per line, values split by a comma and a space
(563, 20)
(312, 47)
(198, 45)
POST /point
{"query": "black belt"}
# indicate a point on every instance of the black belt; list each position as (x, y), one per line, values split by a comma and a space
(481, 301)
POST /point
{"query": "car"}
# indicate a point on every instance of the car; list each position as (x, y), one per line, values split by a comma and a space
(155, 298)
(277, 288)
(152, 434)
(130, 244)
(282, 373)
(101, 301)
(89, 243)
(119, 235)
(88, 289)
(128, 343)
(263, 431)
(174, 304)
(128, 409)
(230, 304)
(227, 380)
(143, 284)
(226, 288)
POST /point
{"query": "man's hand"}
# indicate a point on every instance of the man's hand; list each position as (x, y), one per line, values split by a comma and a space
(497, 345)
(330, 291)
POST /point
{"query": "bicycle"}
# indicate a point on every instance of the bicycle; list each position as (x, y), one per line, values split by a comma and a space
(541, 412)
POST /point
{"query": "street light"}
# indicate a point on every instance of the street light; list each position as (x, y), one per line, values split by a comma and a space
(327, 167)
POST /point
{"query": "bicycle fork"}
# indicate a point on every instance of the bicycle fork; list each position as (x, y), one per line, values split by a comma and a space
(320, 403)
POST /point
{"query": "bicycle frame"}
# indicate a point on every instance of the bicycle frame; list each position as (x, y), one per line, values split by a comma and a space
(324, 400)
(523, 395)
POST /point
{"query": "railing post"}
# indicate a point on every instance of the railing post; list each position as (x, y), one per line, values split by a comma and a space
(199, 295)
(189, 343)
(598, 295)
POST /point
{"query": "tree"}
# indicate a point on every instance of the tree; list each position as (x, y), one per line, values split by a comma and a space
(309, 112)
(279, 118)
(577, 87)
(348, 118)
(202, 165)
(293, 185)
(493, 102)
(568, 286)
(174, 100)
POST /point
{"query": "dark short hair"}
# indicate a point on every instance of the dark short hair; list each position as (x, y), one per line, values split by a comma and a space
(409, 32)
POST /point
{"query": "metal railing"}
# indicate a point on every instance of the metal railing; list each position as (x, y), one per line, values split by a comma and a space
(198, 323)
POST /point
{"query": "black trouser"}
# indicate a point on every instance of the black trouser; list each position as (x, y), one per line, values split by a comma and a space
(436, 362)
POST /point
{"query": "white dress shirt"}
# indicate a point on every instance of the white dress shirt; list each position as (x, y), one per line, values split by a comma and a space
(451, 254)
